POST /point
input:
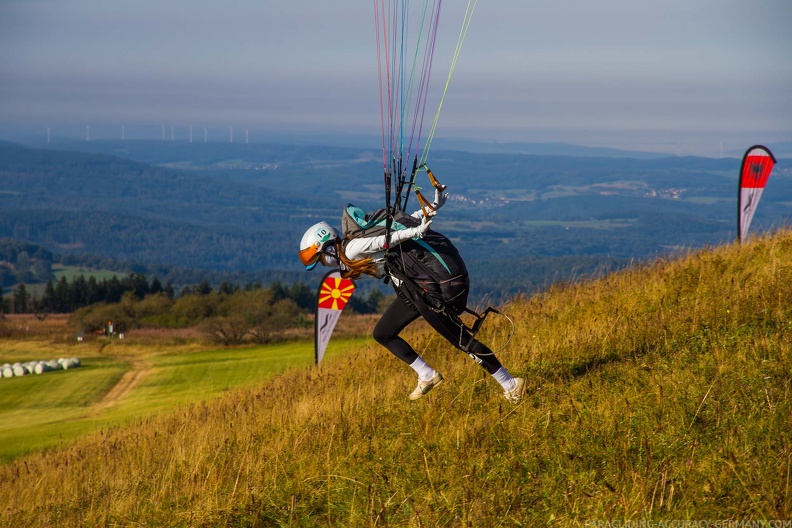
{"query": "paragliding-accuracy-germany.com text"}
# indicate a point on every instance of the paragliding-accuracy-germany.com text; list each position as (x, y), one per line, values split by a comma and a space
(687, 523)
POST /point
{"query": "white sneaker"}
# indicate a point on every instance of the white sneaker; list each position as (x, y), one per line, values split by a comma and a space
(425, 386)
(515, 395)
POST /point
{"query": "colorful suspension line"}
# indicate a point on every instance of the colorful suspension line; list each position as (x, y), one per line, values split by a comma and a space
(405, 53)
(471, 7)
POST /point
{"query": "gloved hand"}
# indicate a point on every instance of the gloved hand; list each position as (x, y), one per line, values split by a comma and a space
(424, 227)
(397, 237)
(439, 198)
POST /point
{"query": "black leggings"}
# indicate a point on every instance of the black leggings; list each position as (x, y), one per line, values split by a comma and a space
(401, 313)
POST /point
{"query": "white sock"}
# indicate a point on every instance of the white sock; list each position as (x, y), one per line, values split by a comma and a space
(505, 379)
(425, 372)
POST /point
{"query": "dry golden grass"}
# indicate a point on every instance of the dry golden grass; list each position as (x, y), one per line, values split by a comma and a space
(660, 392)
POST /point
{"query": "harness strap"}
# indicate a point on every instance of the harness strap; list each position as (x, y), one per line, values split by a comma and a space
(416, 292)
(423, 202)
(436, 184)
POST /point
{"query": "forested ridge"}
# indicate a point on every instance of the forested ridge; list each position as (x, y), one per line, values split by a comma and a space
(22, 265)
(191, 212)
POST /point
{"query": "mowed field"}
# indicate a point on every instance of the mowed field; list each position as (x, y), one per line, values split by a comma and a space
(121, 380)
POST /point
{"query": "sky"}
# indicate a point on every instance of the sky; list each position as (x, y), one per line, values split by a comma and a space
(682, 76)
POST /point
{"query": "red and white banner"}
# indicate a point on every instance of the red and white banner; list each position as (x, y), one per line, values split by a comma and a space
(334, 292)
(756, 167)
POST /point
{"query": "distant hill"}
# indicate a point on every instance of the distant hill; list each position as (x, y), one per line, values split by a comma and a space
(31, 264)
(659, 392)
(350, 142)
(242, 208)
(781, 149)
(110, 206)
(543, 149)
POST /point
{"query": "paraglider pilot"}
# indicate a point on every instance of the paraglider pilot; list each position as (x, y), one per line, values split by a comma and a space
(426, 271)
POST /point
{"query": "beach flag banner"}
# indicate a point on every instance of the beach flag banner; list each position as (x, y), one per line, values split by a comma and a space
(334, 293)
(756, 167)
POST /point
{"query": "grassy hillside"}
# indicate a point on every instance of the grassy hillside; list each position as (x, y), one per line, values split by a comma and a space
(659, 392)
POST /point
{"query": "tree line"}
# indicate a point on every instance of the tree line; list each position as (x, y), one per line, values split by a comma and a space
(228, 314)
(228, 318)
(64, 296)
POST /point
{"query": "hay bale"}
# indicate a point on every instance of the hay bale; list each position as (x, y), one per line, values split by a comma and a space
(69, 363)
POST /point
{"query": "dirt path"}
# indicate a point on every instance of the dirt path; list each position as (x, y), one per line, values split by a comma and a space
(137, 372)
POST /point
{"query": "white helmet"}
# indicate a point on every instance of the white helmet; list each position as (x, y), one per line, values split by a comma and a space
(314, 241)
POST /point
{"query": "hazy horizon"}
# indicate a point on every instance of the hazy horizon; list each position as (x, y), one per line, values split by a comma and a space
(676, 77)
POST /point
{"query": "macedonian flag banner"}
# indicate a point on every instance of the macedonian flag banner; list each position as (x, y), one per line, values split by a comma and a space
(334, 292)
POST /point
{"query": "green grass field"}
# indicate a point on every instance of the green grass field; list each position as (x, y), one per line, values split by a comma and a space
(41, 411)
(73, 271)
(69, 272)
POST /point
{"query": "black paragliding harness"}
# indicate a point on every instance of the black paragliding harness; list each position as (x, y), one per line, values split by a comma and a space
(410, 289)
(414, 291)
